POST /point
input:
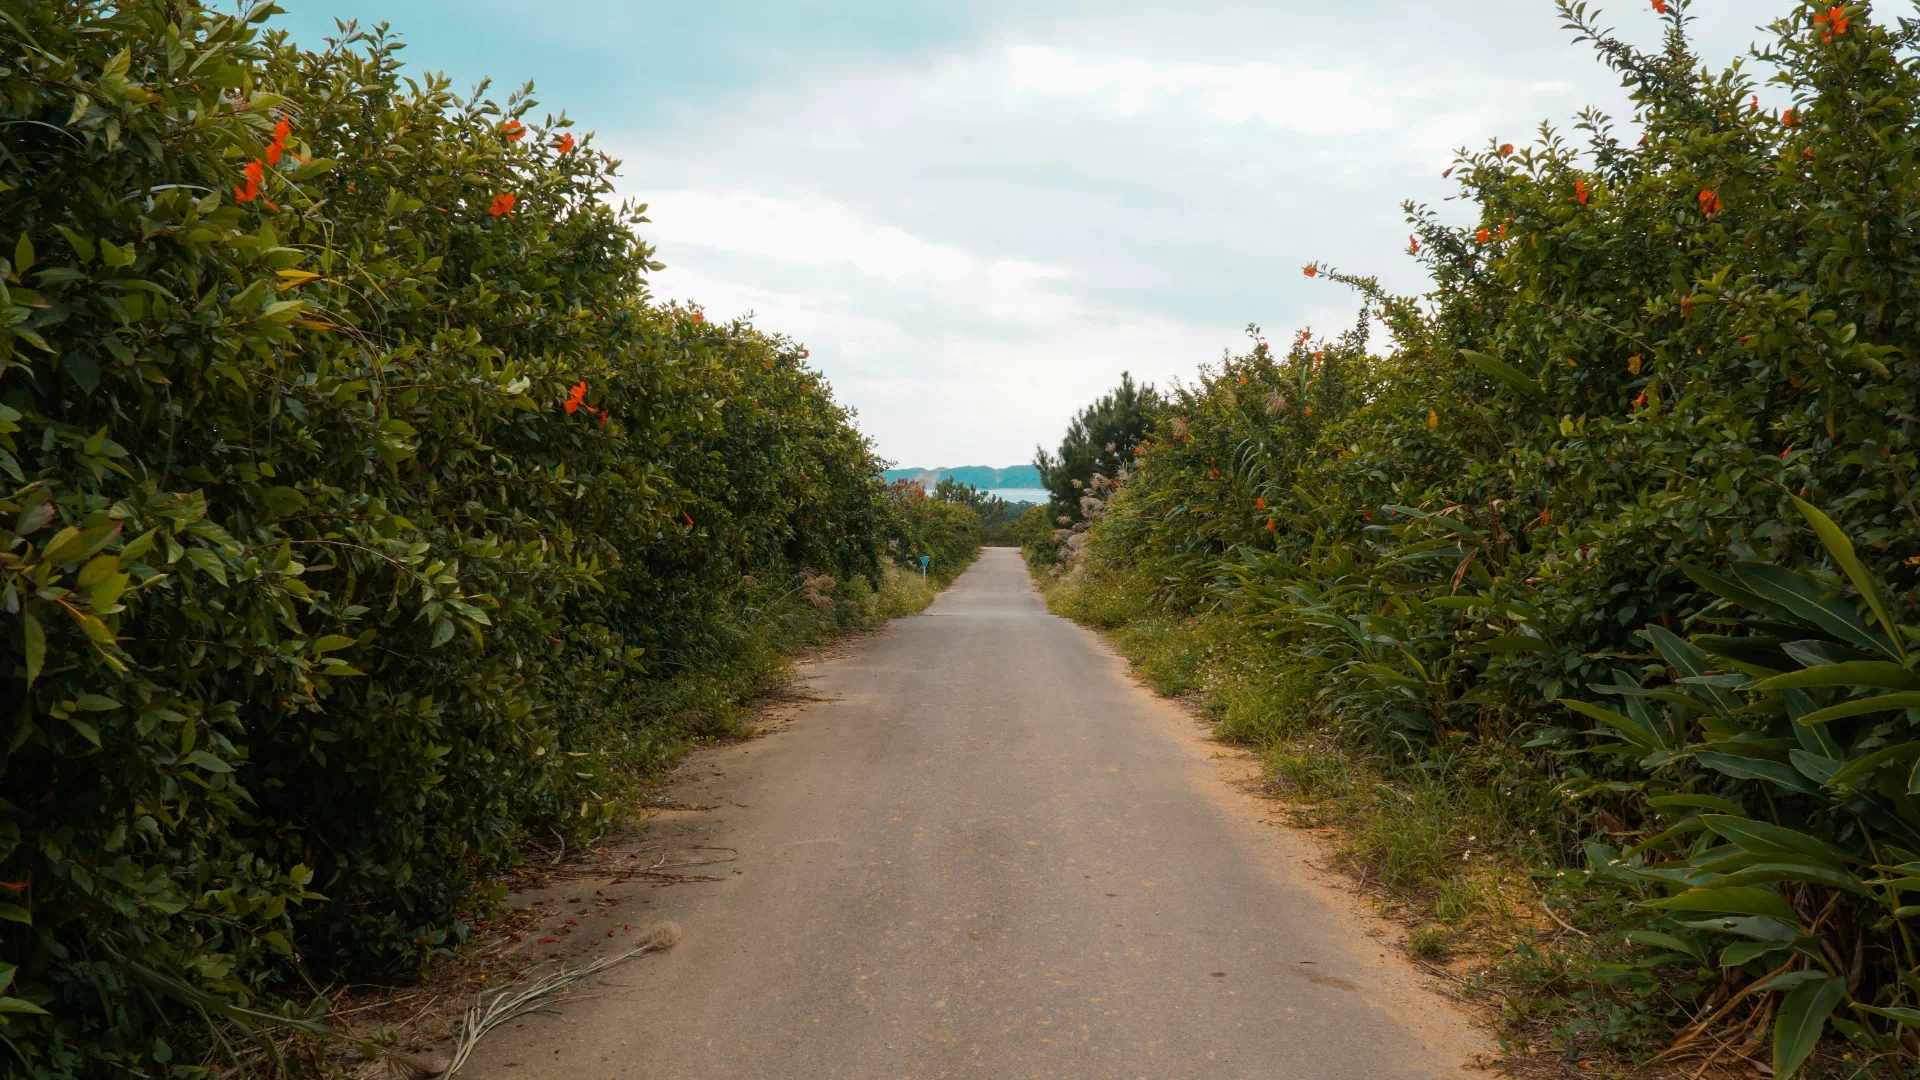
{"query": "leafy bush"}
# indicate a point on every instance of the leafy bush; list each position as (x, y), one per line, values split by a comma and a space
(1629, 367)
(355, 487)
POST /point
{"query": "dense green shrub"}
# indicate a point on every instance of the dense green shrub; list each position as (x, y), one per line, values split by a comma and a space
(354, 484)
(1627, 370)
(946, 531)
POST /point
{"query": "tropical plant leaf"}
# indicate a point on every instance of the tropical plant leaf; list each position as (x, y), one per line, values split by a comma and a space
(1841, 548)
(1803, 1016)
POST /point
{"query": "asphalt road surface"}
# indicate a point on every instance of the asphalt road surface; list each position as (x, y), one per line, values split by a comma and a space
(983, 851)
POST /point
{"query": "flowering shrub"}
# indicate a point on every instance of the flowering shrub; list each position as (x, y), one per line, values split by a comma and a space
(338, 437)
(1654, 372)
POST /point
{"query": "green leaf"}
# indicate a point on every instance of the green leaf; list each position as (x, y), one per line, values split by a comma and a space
(36, 646)
(1741, 952)
(1765, 838)
(1861, 766)
(1705, 802)
(1660, 940)
(1509, 643)
(82, 246)
(16, 913)
(23, 254)
(1808, 599)
(208, 561)
(331, 642)
(1908, 1017)
(1863, 706)
(208, 762)
(1634, 732)
(1506, 373)
(1756, 769)
(1803, 1016)
(1841, 548)
(87, 731)
(1876, 673)
(21, 1005)
(1742, 900)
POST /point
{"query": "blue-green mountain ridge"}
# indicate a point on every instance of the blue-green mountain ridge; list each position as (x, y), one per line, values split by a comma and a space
(980, 476)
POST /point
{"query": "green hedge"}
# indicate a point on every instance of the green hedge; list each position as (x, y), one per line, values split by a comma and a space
(343, 444)
(1584, 448)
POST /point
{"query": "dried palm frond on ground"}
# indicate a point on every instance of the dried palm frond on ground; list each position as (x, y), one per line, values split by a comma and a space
(504, 1005)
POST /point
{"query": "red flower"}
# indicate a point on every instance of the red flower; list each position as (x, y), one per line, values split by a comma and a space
(256, 172)
(1709, 202)
(1503, 230)
(503, 204)
(1787, 120)
(1260, 504)
(1807, 153)
(575, 396)
(1483, 235)
(1641, 400)
(566, 143)
(1784, 453)
(1546, 516)
(1834, 19)
(603, 417)
(1270, 525)
(1311, 270)
(1448, 173)
(689, 518)
(1505, 149)
(1755, 105)
(1660, 7)
(1580, 192)
(279, 144)
(1413, 245)
(514, 130)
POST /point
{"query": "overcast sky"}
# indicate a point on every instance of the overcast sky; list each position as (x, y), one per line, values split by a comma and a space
(978, 213)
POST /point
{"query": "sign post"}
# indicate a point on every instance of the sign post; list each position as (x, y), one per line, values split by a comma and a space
(924, 560)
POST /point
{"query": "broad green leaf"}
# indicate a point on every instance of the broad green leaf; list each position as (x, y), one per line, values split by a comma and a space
(1903, 1016)
(1861, 766)
(15, 913)
(1808, 599)
(1863, 706)
(208, 762)
(1506, 373)
(1765, 838)
(1841, 548)
(36, 646)
(1855, 673)
(1747, 900)
(1746, 768)
(1634, 732)
(1803, 1016)
(1705, 802)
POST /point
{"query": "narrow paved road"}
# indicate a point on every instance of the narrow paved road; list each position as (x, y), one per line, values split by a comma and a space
(989, 854)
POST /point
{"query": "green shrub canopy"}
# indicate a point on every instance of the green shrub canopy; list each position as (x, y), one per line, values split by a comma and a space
(1630, 367)
(342, 448)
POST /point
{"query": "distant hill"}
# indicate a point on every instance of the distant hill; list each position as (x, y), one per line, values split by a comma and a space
(980, 476)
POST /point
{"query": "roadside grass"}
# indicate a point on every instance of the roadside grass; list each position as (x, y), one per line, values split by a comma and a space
(1465, 852)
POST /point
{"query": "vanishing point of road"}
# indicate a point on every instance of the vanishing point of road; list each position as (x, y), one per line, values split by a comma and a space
(981, 850)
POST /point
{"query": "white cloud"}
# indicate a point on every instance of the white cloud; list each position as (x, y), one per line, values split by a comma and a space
(1290, 98)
